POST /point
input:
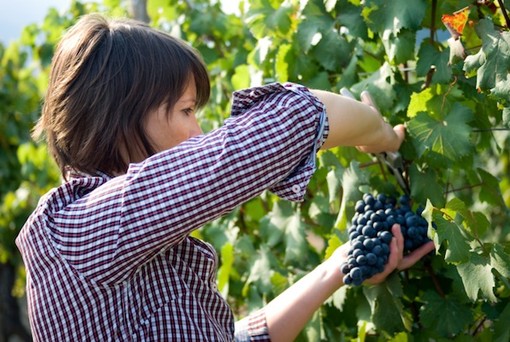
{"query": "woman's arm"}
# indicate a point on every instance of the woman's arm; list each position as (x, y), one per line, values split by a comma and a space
(355, 123)
(288, 313)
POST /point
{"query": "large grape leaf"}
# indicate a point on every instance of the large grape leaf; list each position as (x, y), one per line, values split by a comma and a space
(333, 51)
(352, 178)
(490, 191)
(424, 185)
(500, 260)
(383, 15)
(476, 223)
(501, 327)
(457, 247)
(315, 22)
(492, 62)
(380, 86)
(349, 16)
(436, 100)
(284, 223)
(430, 56)
(448, 137)
(444, 315)
(399, 49)
(386, 306)
(266, 18)
(477, 276)
(227, 260)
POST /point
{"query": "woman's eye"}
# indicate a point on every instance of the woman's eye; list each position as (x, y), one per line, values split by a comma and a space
(188, 111)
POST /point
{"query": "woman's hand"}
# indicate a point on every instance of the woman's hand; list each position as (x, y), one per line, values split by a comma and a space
(396, 260)
(395, 138)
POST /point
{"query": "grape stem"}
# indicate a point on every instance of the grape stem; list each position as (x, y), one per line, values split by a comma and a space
(492, 129)
(467, 187)
(505, 14)
(479, 326)
(432, 275)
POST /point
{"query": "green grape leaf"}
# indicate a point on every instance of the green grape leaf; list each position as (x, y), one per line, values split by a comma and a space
(284, 223)
(351, 180)
(446, 316)
(313, 328)
(227, 260)
(436, 100)
(315, 23)
(281, 65)
(334, 242)
(349, 17)
(500, 260)
(506, 117)
(430, 56)
(260, 271)
(424, 185)
(501, 327)
(241, 78)
(333, 52)
(492, 62)
(295, 242)
(334, 180)
(448, 137)
(400, 48)
(379, 85)
(265, 19)
(383, 15)
(475, 222)
(477, 276)
(386, 306)
(457, 247)
(490, 191)
(419, 102)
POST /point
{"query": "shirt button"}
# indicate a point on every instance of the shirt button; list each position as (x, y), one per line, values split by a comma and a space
(296, 188)
(214, 286)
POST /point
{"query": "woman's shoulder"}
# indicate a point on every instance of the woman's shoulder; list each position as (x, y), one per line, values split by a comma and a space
(246, 98)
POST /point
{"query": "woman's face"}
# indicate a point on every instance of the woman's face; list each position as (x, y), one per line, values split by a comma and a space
(166, 130)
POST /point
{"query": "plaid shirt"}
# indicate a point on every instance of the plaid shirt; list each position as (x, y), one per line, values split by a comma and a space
(111, 259)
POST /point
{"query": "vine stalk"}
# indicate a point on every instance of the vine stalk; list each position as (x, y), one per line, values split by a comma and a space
(505, 13)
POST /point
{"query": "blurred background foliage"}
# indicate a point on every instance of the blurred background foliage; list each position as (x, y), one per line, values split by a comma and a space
(451, 91)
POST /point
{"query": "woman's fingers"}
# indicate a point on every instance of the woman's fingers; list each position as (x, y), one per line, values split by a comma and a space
(397, 260)
(416, 255)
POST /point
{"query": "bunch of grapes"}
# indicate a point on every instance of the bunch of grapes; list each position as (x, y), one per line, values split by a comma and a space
(370, 234)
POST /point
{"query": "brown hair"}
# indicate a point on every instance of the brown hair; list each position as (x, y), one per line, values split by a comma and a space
(106, 76)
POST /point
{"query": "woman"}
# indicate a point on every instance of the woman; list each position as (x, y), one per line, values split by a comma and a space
(108, 253)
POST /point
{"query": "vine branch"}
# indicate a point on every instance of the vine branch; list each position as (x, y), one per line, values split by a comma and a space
(432, 275)
(505, 13)
(467, 187)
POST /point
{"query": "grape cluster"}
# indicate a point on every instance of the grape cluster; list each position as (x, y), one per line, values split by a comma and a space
(370, 234)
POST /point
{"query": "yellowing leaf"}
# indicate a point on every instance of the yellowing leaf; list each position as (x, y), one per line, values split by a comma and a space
(419, 101)
(456, 21)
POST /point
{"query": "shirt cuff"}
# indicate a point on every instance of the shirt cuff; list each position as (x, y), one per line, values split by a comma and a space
(252, 328)
(293, 188)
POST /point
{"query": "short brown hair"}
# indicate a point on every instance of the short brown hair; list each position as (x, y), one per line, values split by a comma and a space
(106, 76)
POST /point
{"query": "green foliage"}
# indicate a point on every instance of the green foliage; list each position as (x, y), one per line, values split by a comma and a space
(451, 94)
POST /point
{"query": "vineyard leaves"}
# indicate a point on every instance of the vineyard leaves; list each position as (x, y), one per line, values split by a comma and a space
(456, 109)
(448, 136)
(492, 62)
